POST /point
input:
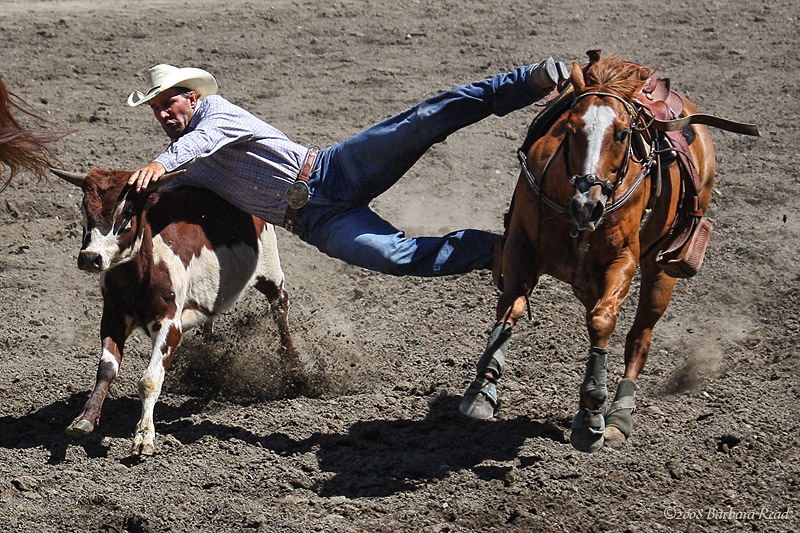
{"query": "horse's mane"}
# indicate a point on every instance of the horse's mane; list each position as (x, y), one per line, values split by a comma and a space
(21, 148)
(610, 74)
(614, 75)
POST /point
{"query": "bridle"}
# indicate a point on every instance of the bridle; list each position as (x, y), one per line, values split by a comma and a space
(609, 187)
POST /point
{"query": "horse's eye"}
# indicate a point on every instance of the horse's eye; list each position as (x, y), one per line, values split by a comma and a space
(622, 135)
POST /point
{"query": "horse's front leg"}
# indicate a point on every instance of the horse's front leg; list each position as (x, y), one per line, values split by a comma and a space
(589, 425)
(655, 294)
(480, 400)
(113, 332)
(166, 336)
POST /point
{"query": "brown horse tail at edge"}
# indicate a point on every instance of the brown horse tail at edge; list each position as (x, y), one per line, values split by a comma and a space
(21, 148)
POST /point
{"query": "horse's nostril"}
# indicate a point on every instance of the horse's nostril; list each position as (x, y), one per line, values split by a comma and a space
(598, 211)
(574, 210)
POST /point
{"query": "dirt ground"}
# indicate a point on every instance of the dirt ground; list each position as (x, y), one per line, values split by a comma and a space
(376, 443)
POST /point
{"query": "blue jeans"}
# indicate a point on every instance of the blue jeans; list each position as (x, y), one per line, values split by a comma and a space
(348, 175)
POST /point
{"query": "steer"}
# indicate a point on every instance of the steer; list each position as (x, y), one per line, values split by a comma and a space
(169, 260)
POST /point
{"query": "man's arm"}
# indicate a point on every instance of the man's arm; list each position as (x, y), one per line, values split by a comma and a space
(221, 124)
(148, 173)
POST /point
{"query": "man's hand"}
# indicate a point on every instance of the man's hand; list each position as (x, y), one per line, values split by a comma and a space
(147, 174)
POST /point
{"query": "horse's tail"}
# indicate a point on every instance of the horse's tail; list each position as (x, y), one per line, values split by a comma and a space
(21, 148)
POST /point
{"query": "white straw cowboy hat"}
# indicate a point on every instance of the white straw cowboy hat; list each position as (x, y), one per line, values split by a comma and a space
(163, 77)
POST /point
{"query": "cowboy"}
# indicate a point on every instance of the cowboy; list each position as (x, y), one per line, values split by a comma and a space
(323, 196)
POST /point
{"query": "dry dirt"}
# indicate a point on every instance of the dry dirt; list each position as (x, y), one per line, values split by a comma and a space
(376, 443)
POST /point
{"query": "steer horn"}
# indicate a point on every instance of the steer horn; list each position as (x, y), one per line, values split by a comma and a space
(72, 177)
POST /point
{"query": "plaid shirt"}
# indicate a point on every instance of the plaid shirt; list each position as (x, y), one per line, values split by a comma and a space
(241, 158)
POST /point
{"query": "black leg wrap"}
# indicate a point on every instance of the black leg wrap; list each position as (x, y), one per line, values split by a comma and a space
(494, 358)
(595, 381)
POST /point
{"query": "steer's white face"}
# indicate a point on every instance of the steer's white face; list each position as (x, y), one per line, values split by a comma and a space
(109, 239)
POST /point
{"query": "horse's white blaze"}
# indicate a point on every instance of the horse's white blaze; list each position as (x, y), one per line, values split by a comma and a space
(597, 120)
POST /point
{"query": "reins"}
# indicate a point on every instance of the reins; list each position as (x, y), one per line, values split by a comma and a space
(615, 203)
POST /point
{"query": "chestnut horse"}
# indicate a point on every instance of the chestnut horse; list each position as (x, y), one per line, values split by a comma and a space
(21, 148)
(593, 203)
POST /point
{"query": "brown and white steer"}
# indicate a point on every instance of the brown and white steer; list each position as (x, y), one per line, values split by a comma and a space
(169, 260)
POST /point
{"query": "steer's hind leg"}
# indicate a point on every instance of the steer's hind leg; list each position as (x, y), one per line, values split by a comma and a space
(279, 309)
(112, 333)
(166, 337)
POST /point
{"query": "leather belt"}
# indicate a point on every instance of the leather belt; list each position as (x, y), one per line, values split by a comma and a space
(298, 194)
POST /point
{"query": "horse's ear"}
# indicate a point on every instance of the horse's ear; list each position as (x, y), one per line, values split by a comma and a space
(594, 56)
(577, 77)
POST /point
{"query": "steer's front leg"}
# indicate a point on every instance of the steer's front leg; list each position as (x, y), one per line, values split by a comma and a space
(113, 332)
(166, 335)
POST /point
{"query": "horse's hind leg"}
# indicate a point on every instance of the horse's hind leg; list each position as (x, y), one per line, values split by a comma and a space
(655, 295)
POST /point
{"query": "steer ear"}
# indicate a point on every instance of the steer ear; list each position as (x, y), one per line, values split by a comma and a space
(164, 180)
(72, 177)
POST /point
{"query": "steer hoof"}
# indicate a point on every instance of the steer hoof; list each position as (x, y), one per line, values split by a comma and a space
(143, 450)
(142, 446)
(80, 427)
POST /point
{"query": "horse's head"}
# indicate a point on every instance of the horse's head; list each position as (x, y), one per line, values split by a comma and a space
(598, 147)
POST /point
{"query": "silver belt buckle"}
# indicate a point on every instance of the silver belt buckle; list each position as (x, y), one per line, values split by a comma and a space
(297, 195)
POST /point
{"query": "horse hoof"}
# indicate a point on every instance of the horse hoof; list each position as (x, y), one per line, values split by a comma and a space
(80, 427)
(476, 406)
(480, 400)
(614, 437)
(614, 434)
(585, 440)
(588, 428)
